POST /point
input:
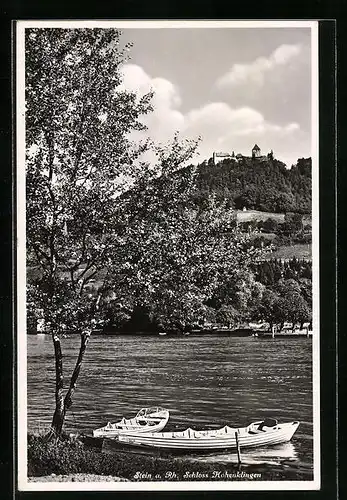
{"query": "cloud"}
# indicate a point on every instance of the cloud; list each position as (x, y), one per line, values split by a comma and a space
(221, 121)
(237, 129)
(255, 71)
(220, 125)
(166, 117)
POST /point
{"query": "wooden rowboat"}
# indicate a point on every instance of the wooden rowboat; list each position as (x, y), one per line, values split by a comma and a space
(257, 434)
(151, 420)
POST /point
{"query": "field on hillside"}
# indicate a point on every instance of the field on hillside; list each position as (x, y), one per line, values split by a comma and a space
(266, 236)
(299, 251)
(247, 215)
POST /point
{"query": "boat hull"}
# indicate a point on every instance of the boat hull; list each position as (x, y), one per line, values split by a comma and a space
(195, 441)
(104, 432)
(151, 424)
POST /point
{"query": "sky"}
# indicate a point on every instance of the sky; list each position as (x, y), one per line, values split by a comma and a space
(234, 87)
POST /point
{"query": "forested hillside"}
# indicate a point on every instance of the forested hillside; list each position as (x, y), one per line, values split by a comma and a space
(258, 185)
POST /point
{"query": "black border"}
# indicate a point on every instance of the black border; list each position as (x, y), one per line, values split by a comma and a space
(327, 225)
(327, 111)
(6, 261)
(341, 253)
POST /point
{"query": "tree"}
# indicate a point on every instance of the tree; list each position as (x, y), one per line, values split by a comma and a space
(287, 287)
(283, 202)
(293, 222)
(103, 228)
(295, 307)
(228, 316)
(270, 225)
(178, 254)
(266, 274)
(78, 149)
(270, 308)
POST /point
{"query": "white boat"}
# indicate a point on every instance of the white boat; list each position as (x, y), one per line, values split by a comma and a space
(258, 434)
(151, 420)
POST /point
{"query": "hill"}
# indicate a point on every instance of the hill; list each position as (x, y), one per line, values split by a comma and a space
(266, 186)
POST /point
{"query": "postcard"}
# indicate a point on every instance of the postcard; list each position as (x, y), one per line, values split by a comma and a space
(168, 255)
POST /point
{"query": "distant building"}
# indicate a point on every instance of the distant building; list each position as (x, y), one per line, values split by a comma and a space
(256, 151)
(217, 157)
(256, 155)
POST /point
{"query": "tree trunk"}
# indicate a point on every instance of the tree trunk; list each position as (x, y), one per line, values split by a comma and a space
(63, 404)
(59, 413)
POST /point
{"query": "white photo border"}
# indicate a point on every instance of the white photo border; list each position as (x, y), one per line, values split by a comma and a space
(23, 483)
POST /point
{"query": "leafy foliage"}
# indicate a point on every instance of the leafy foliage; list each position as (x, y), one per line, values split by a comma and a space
(177, 253)
(288, 291)
(78, 147)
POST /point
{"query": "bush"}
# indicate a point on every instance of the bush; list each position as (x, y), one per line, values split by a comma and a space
(303, 237)
(72, 456)
(270, 225)
(69, 457)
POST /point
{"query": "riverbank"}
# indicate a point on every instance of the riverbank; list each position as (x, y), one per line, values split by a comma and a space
(71, 460)
(216, 332)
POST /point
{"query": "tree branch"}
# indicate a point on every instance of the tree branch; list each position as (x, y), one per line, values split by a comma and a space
(73, 382)
(39, 252)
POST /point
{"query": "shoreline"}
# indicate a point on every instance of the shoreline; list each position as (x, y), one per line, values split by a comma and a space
(207, 333)
(78, 477)
(73, 461)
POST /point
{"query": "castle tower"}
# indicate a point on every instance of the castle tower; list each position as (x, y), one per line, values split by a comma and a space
(256, 151)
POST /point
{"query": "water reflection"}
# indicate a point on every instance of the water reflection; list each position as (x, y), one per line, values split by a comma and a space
(274, 455)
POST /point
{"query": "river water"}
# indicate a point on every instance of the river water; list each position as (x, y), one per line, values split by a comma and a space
(204, 381)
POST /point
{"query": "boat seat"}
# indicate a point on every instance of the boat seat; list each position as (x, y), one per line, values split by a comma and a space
(268, 422)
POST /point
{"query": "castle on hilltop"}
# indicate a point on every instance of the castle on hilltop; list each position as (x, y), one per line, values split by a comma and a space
(256, 155)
